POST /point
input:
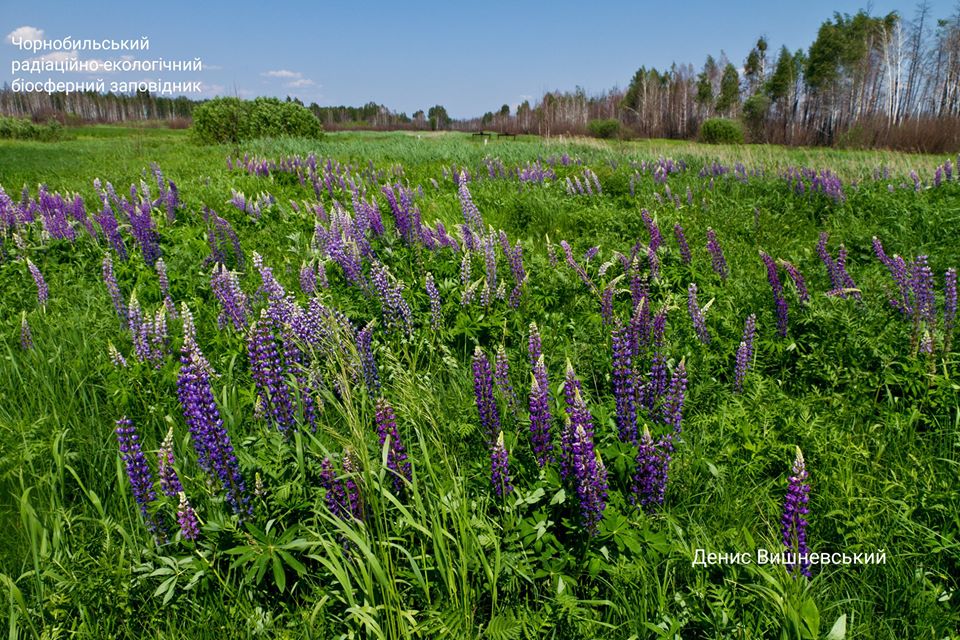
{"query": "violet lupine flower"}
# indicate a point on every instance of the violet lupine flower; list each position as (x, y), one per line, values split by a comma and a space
(115, 356)
(210, 439)
(624, 385)
(187, 518)
(471, 215)
(588, 473)
(170, 483)
(540, 418)
(606, 304)
(656, 238)
(138, 471)
(233, 301)
(716, 254)
(501, 374)
(483, 393)
(465, 280)
(436, 317)
(949, 307)
(576, 267)
(793, 522)
(653, 262)
(921, 281)
(162, 278)
(685, 256)
(656, 385)
(26, 338)
(351, 470)
(397, 461)
(110, 279)
(899, 271)
(368, 362)
(43, 292)
(552, 253)
(308, 279)
(389, 290)
(269, 372)
(649, 482)
(673, 403)
(745, 352)
(500, 468)
(779, 301)
(519, 274)
(342, 492)
(534, 345)
(798, 280)
(696, 314)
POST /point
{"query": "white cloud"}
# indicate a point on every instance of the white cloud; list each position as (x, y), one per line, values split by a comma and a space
(24, 33)
(300, 82)
(283, 73)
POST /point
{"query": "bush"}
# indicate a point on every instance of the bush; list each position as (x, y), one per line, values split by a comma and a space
(721, 131)
(234, 120)
(24, 129)
(608, 128)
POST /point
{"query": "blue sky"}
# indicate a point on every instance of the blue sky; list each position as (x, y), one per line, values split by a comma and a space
(469, 57)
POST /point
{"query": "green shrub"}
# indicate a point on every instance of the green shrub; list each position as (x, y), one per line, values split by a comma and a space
(24, 129)
(607, 128)
(234, 120)
(721, 131)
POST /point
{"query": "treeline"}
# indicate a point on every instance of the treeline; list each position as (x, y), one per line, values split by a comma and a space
(91, 107)
(865, 81)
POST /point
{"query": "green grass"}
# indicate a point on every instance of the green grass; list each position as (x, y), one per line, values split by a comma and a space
(878, 423)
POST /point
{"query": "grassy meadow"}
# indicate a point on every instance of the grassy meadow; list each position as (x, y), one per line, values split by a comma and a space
(339, 429)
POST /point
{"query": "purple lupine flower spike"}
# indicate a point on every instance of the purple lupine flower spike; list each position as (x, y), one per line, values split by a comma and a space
(540, 438)
(649, 482)
(436, 317)
(696, 315)
(794, 523)
(777, 287)
(588, 473)
(187, 517)
(483, 393)
(624, 385)
(673, 403)
(308, 279)
(365, 348)
(43, 291)
(169, 480)
(501, 372)
(26, 337)
(682, 242)
(210, 439)
(534, 345)
(500, 468)
(716, 254)
(138, 471)
(745, 352)
(397, 461)
(798, 280)
(110, 279)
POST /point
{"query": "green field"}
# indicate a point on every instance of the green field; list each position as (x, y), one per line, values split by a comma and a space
(867, 391)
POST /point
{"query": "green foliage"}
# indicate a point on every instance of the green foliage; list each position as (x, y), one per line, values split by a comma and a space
(729, 98)
(442, 557)
(24, 129)
(754, 115)
(606, 128)
(231, 120)
(721, 131)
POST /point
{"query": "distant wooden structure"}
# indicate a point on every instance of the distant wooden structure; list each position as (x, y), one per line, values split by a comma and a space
(489, 134)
